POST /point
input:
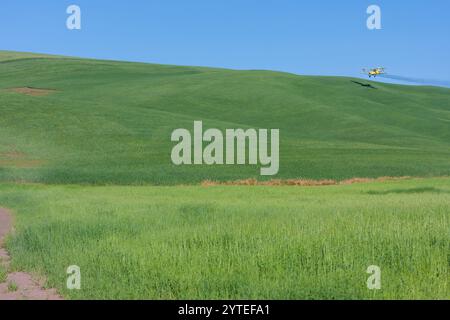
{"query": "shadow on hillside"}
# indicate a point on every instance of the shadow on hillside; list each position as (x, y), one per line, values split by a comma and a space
(408, 191)
(367, 85)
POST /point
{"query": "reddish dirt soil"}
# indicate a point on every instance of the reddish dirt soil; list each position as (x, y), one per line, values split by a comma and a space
(32, 91)
(19, 285)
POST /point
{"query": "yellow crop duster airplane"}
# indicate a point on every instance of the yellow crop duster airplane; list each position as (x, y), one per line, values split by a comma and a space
(374, 72)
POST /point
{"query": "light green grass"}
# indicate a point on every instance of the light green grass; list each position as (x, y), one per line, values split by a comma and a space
(3, 273)
(236, 242)
(110, 122)
(12, 287)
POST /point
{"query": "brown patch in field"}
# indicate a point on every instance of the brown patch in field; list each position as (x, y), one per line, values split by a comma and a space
(209, 183)
(26, 287)
(35, 92)
(298, 182)
(275, 182)
(356, 180)
(19, 160)
(382, 179)
(12, 155)
(367, 180)
(21, 163)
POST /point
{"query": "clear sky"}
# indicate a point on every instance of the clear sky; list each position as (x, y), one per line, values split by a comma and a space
(318, 37)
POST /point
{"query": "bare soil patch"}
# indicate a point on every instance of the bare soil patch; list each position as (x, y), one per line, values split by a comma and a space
(36, 92)
(12, 154)
(19, 285)
(298, 182)
(21, 163)
(18, 160)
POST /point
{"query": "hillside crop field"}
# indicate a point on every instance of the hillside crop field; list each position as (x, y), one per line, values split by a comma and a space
(85, 169)
(105, 122)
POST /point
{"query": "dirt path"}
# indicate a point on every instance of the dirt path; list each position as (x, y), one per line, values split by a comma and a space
(18, 285)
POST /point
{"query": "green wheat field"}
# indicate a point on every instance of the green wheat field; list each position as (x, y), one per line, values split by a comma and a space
(85, 169)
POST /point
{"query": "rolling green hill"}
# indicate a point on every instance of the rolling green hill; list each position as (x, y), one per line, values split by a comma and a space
(108, 122)
(66, 121)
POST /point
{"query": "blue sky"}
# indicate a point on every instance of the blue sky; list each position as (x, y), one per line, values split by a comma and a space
(321, 37)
